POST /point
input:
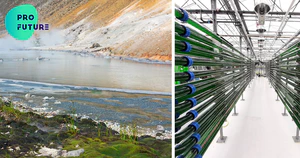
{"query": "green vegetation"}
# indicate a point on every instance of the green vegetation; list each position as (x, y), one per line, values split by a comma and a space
(9, 110)
(129, 132)
(71, 126)
(27, 132)
(96, 92)
(117, 148)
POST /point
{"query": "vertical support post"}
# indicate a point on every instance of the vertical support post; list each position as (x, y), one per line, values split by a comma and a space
(241, 42)
(234, 111)
(284, 112)
(248, 53)
(285, 92)
(251, 71)
(297, 138)
(222, 138)
(234, 108)
(271, 73)
(214, 15)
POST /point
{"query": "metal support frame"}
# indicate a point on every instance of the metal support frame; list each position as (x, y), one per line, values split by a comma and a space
(286, 84)
(214, 15)
(197, 11)
(234, 111)
(248, 55)
(237, 4)
(241, 43)
(239, 17)
(255, 35)
(282, 24)
(289, 41)
(243, 97)
(244, 30)
(222, 138)
(284, 112)
(297, 137)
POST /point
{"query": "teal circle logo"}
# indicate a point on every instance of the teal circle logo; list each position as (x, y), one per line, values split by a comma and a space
(21, 21)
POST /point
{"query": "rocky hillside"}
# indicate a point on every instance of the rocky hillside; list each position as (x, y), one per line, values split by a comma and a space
(135, 28)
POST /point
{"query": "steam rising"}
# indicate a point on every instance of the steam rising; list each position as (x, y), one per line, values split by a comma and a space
(43, 38)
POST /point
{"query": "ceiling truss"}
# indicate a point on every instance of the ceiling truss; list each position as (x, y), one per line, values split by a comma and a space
(235, 19)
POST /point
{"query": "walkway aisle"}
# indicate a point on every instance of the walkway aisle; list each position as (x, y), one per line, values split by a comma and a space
(259, 131)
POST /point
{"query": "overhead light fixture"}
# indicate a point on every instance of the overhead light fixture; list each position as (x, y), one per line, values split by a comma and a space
(260, 29)
(261, 10)
(260, 40)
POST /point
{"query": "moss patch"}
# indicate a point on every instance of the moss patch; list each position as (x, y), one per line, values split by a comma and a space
(22, 134)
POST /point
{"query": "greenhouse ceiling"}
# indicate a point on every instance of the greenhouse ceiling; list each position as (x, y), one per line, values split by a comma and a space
(264, 36)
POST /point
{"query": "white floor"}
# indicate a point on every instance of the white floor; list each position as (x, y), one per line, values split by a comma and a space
(259, 130)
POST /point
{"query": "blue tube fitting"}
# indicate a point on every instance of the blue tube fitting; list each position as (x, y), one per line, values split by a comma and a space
(176, 102)
(180, 156)
(193, 101)
(187, 32)
(185, 17)
(198, 156)
(194, 113)
(190, 61)
(197, 147)
(192, 88)
(188, 46)
(195, 125)
(192, 76)
(196, 136)
(177, 115)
